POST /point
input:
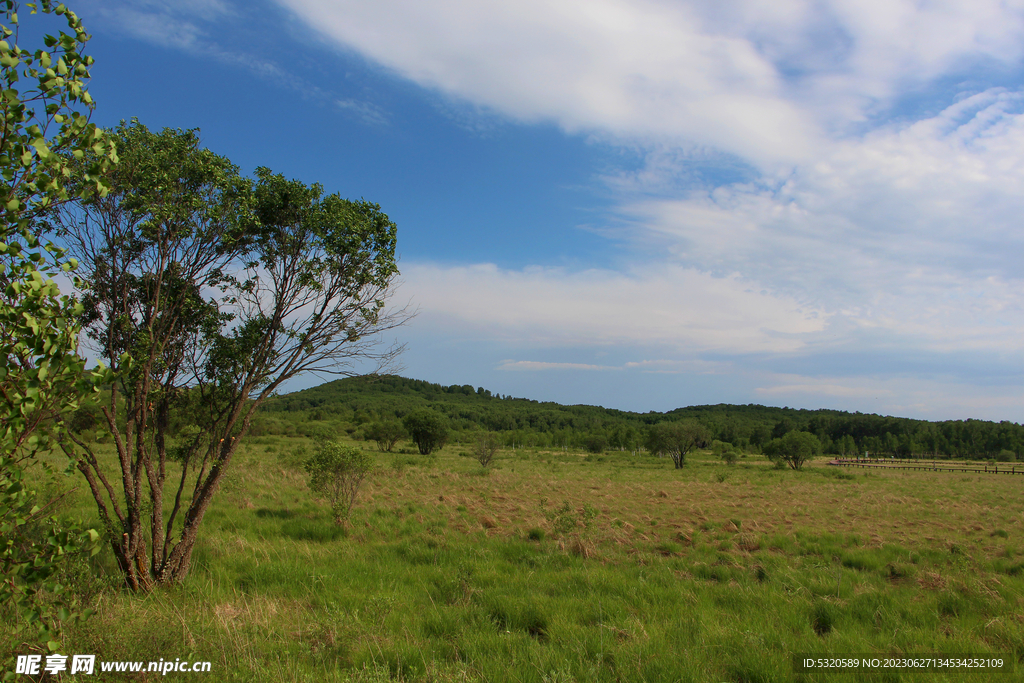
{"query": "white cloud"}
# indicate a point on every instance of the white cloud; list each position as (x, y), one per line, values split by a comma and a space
(158, 27)
(367, 112)
(914, 229)
(662, 306)
(170, 24)
(677, 366)
(632, 69)
(762, 79)
(203, 28)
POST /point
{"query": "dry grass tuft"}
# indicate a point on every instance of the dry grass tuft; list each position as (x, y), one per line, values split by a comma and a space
(580, 547)
(748, 543)
(226, 613)
(932, 581)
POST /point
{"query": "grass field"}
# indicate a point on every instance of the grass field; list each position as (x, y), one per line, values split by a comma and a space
(563, 567)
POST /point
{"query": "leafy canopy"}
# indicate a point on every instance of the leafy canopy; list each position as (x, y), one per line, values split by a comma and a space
(676, 439)
(206, 291)
(45, 106)
(429, 429)
(386, 433)
(794, 448)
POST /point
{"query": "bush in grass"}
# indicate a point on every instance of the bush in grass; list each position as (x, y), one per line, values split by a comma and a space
(793, 449)
(487, 445)
(429, 429)
(386, 433)
(336, 472)
(725, 450)
(1006, 455)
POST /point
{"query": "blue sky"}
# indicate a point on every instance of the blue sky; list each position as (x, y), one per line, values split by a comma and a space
(641, 204)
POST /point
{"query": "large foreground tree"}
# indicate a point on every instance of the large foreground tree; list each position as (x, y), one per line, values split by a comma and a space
(205, 291)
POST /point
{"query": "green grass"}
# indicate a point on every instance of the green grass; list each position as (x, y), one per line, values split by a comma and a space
(558, 567)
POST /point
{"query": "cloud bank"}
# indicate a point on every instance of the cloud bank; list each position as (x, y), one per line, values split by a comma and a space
(665, 307)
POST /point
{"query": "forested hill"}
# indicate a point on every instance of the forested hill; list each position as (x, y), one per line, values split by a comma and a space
(350, 404)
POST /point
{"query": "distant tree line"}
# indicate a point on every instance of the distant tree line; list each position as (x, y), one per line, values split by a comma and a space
(355, 404)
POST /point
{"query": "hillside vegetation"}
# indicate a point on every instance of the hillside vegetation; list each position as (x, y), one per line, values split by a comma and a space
(349, 405)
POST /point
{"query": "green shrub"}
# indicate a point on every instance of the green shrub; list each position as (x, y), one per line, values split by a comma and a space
(386, 433)
(487, 445)
(336, 472)
(428, 428)
(793, 449)
(720, 447)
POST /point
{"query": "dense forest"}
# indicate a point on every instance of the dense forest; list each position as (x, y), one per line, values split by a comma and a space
(349, 405)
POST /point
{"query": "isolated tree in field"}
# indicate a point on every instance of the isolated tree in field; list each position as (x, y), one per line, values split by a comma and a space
(386, 433)
(795, 448)
(429, 429)
(43, 380)
(336, 472)
(205, 291)
(676, 439)
(487, 446)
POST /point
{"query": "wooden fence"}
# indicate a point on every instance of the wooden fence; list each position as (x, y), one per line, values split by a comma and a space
(930, 466)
